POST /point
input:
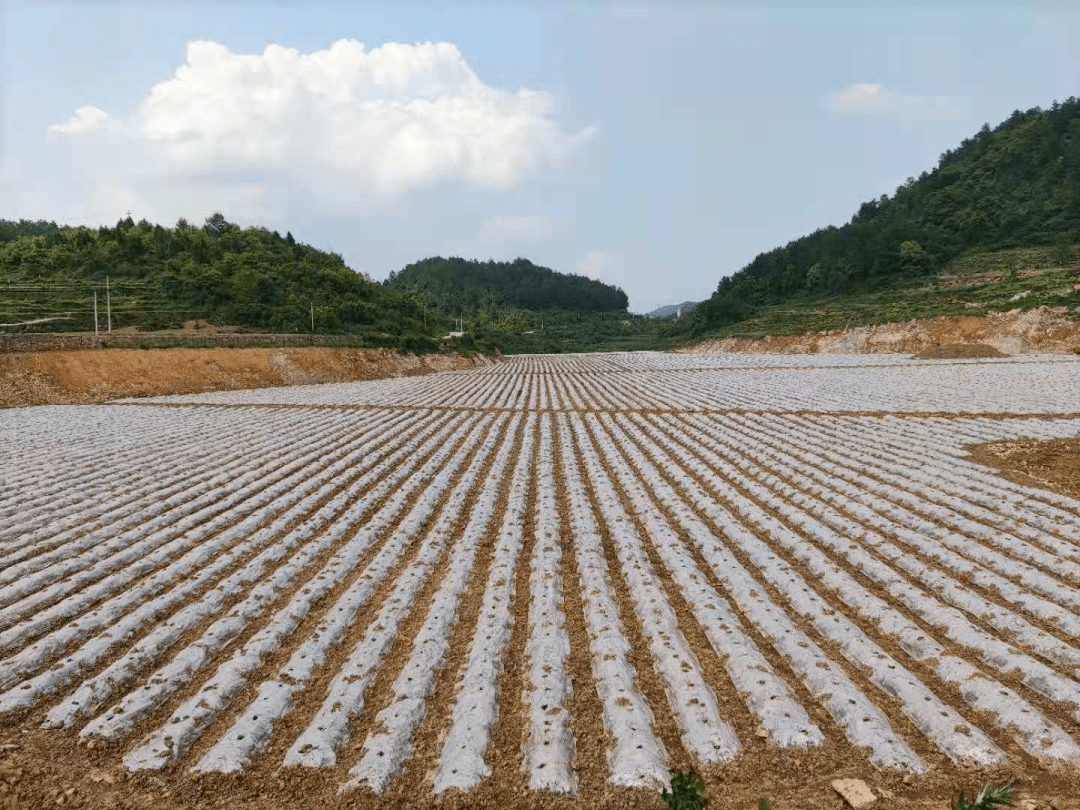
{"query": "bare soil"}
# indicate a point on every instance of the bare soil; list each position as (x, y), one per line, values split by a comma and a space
(954, 351)
(1044, 330)
(1052, 463)
(94, 375)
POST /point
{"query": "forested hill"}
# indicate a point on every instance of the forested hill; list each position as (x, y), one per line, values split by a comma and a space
(160, 277)
(1013, 185)
(453, 286)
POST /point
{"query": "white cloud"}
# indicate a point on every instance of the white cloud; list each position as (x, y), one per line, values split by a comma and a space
(597, 264)
(390, 119)
(879, 100)
(517, 229)
(343, 131)
(87, 118)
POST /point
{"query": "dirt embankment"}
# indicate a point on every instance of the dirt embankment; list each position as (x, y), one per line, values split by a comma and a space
(79, 377)
(1044, 329)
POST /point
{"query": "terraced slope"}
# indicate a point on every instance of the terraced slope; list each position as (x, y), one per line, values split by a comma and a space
(546, 582)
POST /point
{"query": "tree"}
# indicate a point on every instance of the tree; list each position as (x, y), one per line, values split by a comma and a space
(913, 258)
(216, 224)
(1072, 166)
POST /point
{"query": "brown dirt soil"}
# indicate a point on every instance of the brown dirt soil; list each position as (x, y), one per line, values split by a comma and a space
(1038, 330)
(39, 770)
(952, 351)
(95, 375)
(1052, 463)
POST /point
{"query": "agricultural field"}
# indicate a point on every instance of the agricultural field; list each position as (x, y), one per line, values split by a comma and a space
(546, 582)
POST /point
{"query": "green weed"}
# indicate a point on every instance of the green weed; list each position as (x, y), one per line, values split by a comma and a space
(986, 799)
(685, 793)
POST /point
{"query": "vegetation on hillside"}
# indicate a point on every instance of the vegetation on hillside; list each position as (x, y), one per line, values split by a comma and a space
(254, 278)
(1014, 185)
(160, 277)
(973, 284)
(993, 226)
(559, 331)
(456, 287)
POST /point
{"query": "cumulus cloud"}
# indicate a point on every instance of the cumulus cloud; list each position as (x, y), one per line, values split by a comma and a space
(392, 118)
(516, 229)
(597, 264)
(343, 131)
(880, 100)
(87, 118)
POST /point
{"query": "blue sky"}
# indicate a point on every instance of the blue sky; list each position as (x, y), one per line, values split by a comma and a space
(657, 146)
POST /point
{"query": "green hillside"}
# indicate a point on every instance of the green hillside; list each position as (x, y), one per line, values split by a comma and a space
(456, 287)
(519, 307)
(1015, 185)
(994, 226)
(973, 284)
(159, 277)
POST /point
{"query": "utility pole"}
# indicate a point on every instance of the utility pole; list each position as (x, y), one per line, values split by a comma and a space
(312, 316)
(108, 304)
(95, 314)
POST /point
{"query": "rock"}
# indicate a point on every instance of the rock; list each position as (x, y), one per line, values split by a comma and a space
(855, 792)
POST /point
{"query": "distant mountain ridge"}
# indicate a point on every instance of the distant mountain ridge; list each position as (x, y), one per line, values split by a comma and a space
(671, 310)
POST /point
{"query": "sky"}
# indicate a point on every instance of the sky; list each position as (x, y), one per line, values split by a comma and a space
(656, 146)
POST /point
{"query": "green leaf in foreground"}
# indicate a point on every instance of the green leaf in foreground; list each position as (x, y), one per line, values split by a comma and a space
(685, 794)
(986, 799)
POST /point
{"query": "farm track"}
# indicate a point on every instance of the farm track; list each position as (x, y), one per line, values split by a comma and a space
(545, 582)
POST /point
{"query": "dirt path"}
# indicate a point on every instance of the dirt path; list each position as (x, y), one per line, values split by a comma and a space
(92, 376)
